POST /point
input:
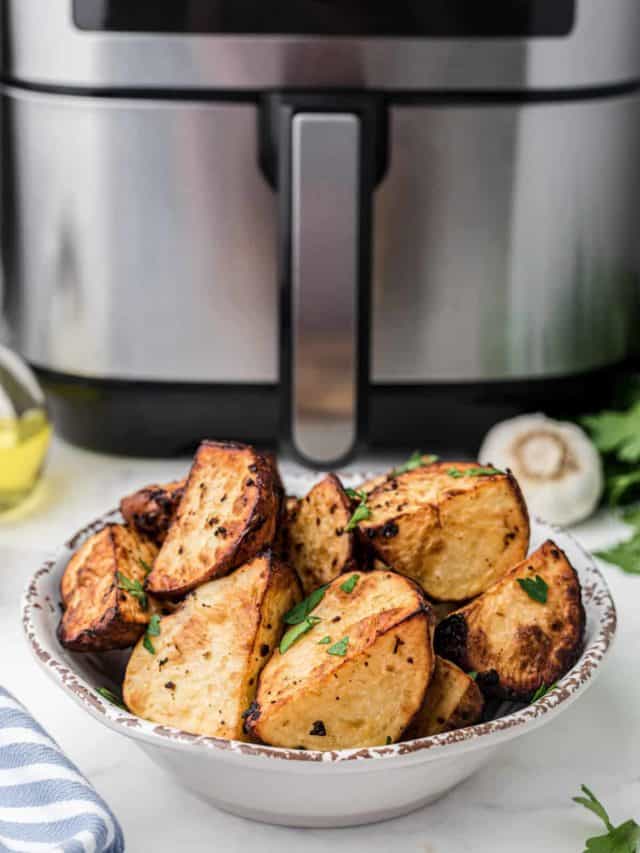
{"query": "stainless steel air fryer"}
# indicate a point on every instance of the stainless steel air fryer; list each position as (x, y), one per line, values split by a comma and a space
(331, 223)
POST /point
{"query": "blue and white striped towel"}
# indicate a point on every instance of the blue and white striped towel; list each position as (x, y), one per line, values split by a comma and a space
(46, 804)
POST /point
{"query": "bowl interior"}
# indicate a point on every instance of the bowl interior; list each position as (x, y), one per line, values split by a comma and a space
(81, 674)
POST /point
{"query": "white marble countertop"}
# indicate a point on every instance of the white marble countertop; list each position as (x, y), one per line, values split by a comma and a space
(521, 801)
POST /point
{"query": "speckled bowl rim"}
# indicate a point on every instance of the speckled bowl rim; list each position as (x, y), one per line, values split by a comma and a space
(597, 601)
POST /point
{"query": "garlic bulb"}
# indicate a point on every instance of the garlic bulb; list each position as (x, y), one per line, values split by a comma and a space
(558, 468)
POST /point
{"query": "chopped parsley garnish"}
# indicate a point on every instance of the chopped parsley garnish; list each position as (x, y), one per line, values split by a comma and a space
(302, 610)
(293, 634)
(618, 839)
(350, 584)
(536, 589)
(417, 460)
(472, 675)
(362, 511)
(388, 741)
(111, 697)
(324, 641)
(339, 649)
(541, 692)
(153, 630)
(457, 474)
(134, 588)
(146, 568)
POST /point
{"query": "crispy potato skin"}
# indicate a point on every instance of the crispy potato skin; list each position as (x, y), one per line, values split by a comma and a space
(152, 509)
(98, 615)
(227, 515)
(454, 536)
(312, 699)
(369, 485)
(211, 650)
(517, 644)
(316, 543)
(453, 701)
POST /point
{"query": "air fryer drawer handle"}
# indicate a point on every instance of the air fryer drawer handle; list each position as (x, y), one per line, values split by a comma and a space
(324, 274)
(324, 155)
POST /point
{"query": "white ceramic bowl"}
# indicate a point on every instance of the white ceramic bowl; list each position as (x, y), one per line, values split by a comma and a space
(305, 788)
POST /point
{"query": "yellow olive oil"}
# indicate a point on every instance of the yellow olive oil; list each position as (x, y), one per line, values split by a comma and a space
(24, 442)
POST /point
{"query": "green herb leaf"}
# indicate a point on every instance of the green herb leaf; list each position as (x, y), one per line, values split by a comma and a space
(324, 641)
(472, 675)
(626, 555)
(621, 839)
(362, 513)
(621, 486)
(455, 473)
(111, 697)
(536, 589)
(616, 432)
(146, 568)
(631, 516)
(541, 692)
(301, 610)
(153, 630)
(356, 495)
(340, 648)
(417, 460)
(389, 740)
(134, 588)
(293, 634)
(350, 584)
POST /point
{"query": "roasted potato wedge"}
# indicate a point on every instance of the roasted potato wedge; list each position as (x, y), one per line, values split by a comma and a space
(358, 676)
(515, 642)
(152, 509)
(100, 614)
(317, 543)
(453, 701)
(453, 530)
(203, 673)
(227, 515)
(380, 479)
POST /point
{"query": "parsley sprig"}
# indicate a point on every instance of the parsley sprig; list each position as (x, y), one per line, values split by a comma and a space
(362, 511)
(112, 697)
(457, 474)
(536, 588)
(350, 584)
(339, 649)
(616, 434)
(146, 568)
(134, 588)
(618, 839)
(153, 630)
(416, 460)
(302, 610)
(541, 692)
(626, 554)
(299, 630)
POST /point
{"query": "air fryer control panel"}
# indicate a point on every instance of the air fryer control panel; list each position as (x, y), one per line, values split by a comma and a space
(358, 18)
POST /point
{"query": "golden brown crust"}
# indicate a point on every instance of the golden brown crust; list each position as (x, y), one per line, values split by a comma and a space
(452, 532)
(514, 642)
(152, 509)
(310, 697)
(317, 543)
(227, 515)
(453, 700)
(98, 615)
(210, 651)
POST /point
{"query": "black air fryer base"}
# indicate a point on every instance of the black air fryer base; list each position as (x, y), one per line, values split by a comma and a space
(164, 419)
